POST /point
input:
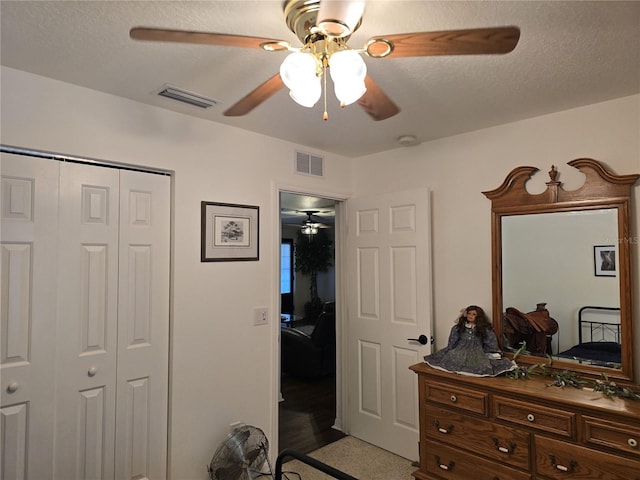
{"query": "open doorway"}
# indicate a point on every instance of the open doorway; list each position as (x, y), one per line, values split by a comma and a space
(307, 410)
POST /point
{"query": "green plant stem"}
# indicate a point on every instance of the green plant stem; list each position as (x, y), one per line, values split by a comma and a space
(568, 378)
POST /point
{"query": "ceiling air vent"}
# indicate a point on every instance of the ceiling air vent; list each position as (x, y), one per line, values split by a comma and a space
(187, 97)
(309, 164)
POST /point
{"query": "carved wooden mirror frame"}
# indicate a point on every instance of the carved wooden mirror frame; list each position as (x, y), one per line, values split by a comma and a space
(601, 190)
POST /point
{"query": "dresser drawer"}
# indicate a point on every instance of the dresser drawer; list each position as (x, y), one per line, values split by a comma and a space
(458, 397)
(449, 463)
(535, 416)
(560, 460)
(483, 437)
(600, 432)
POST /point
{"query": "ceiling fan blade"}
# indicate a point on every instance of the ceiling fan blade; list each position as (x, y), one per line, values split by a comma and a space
(256, 97)
(479, 41)
(376, 103)
(202, 38)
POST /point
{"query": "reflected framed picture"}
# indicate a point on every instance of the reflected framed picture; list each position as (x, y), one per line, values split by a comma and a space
(230, 232)
(604, 260)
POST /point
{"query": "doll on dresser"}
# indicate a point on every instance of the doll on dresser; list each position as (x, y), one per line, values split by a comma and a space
(472, 348)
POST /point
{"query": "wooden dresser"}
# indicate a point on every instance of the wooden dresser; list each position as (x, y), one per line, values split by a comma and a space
(475, 428)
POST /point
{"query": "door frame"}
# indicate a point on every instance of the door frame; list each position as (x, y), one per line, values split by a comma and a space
(340, 270)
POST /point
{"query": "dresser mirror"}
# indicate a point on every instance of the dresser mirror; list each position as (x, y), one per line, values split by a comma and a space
(562, 270)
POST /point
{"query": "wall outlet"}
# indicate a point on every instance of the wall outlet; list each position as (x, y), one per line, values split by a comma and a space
(260, 316)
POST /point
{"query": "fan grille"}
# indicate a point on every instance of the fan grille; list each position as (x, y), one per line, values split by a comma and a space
(245, 450)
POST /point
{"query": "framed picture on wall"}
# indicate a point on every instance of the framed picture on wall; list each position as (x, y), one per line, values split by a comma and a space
(604, 260)
(230, 232)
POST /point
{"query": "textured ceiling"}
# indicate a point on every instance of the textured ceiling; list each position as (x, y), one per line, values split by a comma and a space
(570, 54)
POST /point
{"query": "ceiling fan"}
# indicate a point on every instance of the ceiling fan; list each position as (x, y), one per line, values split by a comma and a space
(309, 226)
(324, 27)
(318, 218)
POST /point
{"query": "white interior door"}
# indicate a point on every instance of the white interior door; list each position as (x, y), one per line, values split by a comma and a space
(143, 327)
(389, 302)
(29, 192)
(87, 322)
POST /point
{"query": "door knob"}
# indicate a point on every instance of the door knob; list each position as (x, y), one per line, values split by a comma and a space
(422, 340)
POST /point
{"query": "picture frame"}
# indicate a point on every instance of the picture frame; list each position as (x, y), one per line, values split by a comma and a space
(604, 260)
(229, 232)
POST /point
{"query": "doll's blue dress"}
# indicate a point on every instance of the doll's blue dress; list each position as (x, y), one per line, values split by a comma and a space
(469, 354)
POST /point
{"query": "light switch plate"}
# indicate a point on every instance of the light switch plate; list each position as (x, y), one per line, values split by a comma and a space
(260, 316)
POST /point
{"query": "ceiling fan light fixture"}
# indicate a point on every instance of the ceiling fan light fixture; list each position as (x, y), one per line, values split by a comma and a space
(347, 64)
(348, 72)
(297, 68)
(339, 18)
(307, 96)
(309, 230)
(299, 74)
(348, 92)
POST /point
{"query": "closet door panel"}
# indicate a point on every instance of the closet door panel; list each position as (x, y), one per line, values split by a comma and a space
(143, 326)
(87, 322)
(28, 262)
(13, 421)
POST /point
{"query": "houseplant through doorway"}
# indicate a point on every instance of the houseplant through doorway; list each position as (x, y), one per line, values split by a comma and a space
(314, 254)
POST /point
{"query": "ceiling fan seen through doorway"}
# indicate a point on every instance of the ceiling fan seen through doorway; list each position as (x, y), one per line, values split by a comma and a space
(310, 226)
(324, 27)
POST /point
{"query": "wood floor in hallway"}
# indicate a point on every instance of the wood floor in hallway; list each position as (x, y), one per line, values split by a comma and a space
(307, 413)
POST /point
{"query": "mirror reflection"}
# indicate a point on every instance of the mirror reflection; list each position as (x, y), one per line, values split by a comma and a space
(560, 285)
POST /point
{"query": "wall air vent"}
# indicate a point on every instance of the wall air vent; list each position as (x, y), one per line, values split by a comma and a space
(308, 164)
(187, 97)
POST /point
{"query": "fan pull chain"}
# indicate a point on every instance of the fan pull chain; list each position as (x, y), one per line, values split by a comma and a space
(325, 116)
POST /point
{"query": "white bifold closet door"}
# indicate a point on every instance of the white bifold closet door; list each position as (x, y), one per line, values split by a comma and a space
(101, 411)
(29, 242)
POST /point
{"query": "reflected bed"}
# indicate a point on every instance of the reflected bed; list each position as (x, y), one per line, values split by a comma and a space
(598, 341)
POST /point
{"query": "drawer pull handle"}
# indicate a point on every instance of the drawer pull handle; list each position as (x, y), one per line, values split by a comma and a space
(531, 417)
(453, 398)
(633, 443)
(510, 449)
(562, 468)
(12, 387)
(446, 430)
(443, 466)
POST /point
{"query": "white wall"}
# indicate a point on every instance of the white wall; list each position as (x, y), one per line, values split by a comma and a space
(459, 168)
(223, 369)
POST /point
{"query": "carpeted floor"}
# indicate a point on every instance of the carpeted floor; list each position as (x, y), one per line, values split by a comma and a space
(356, 458)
